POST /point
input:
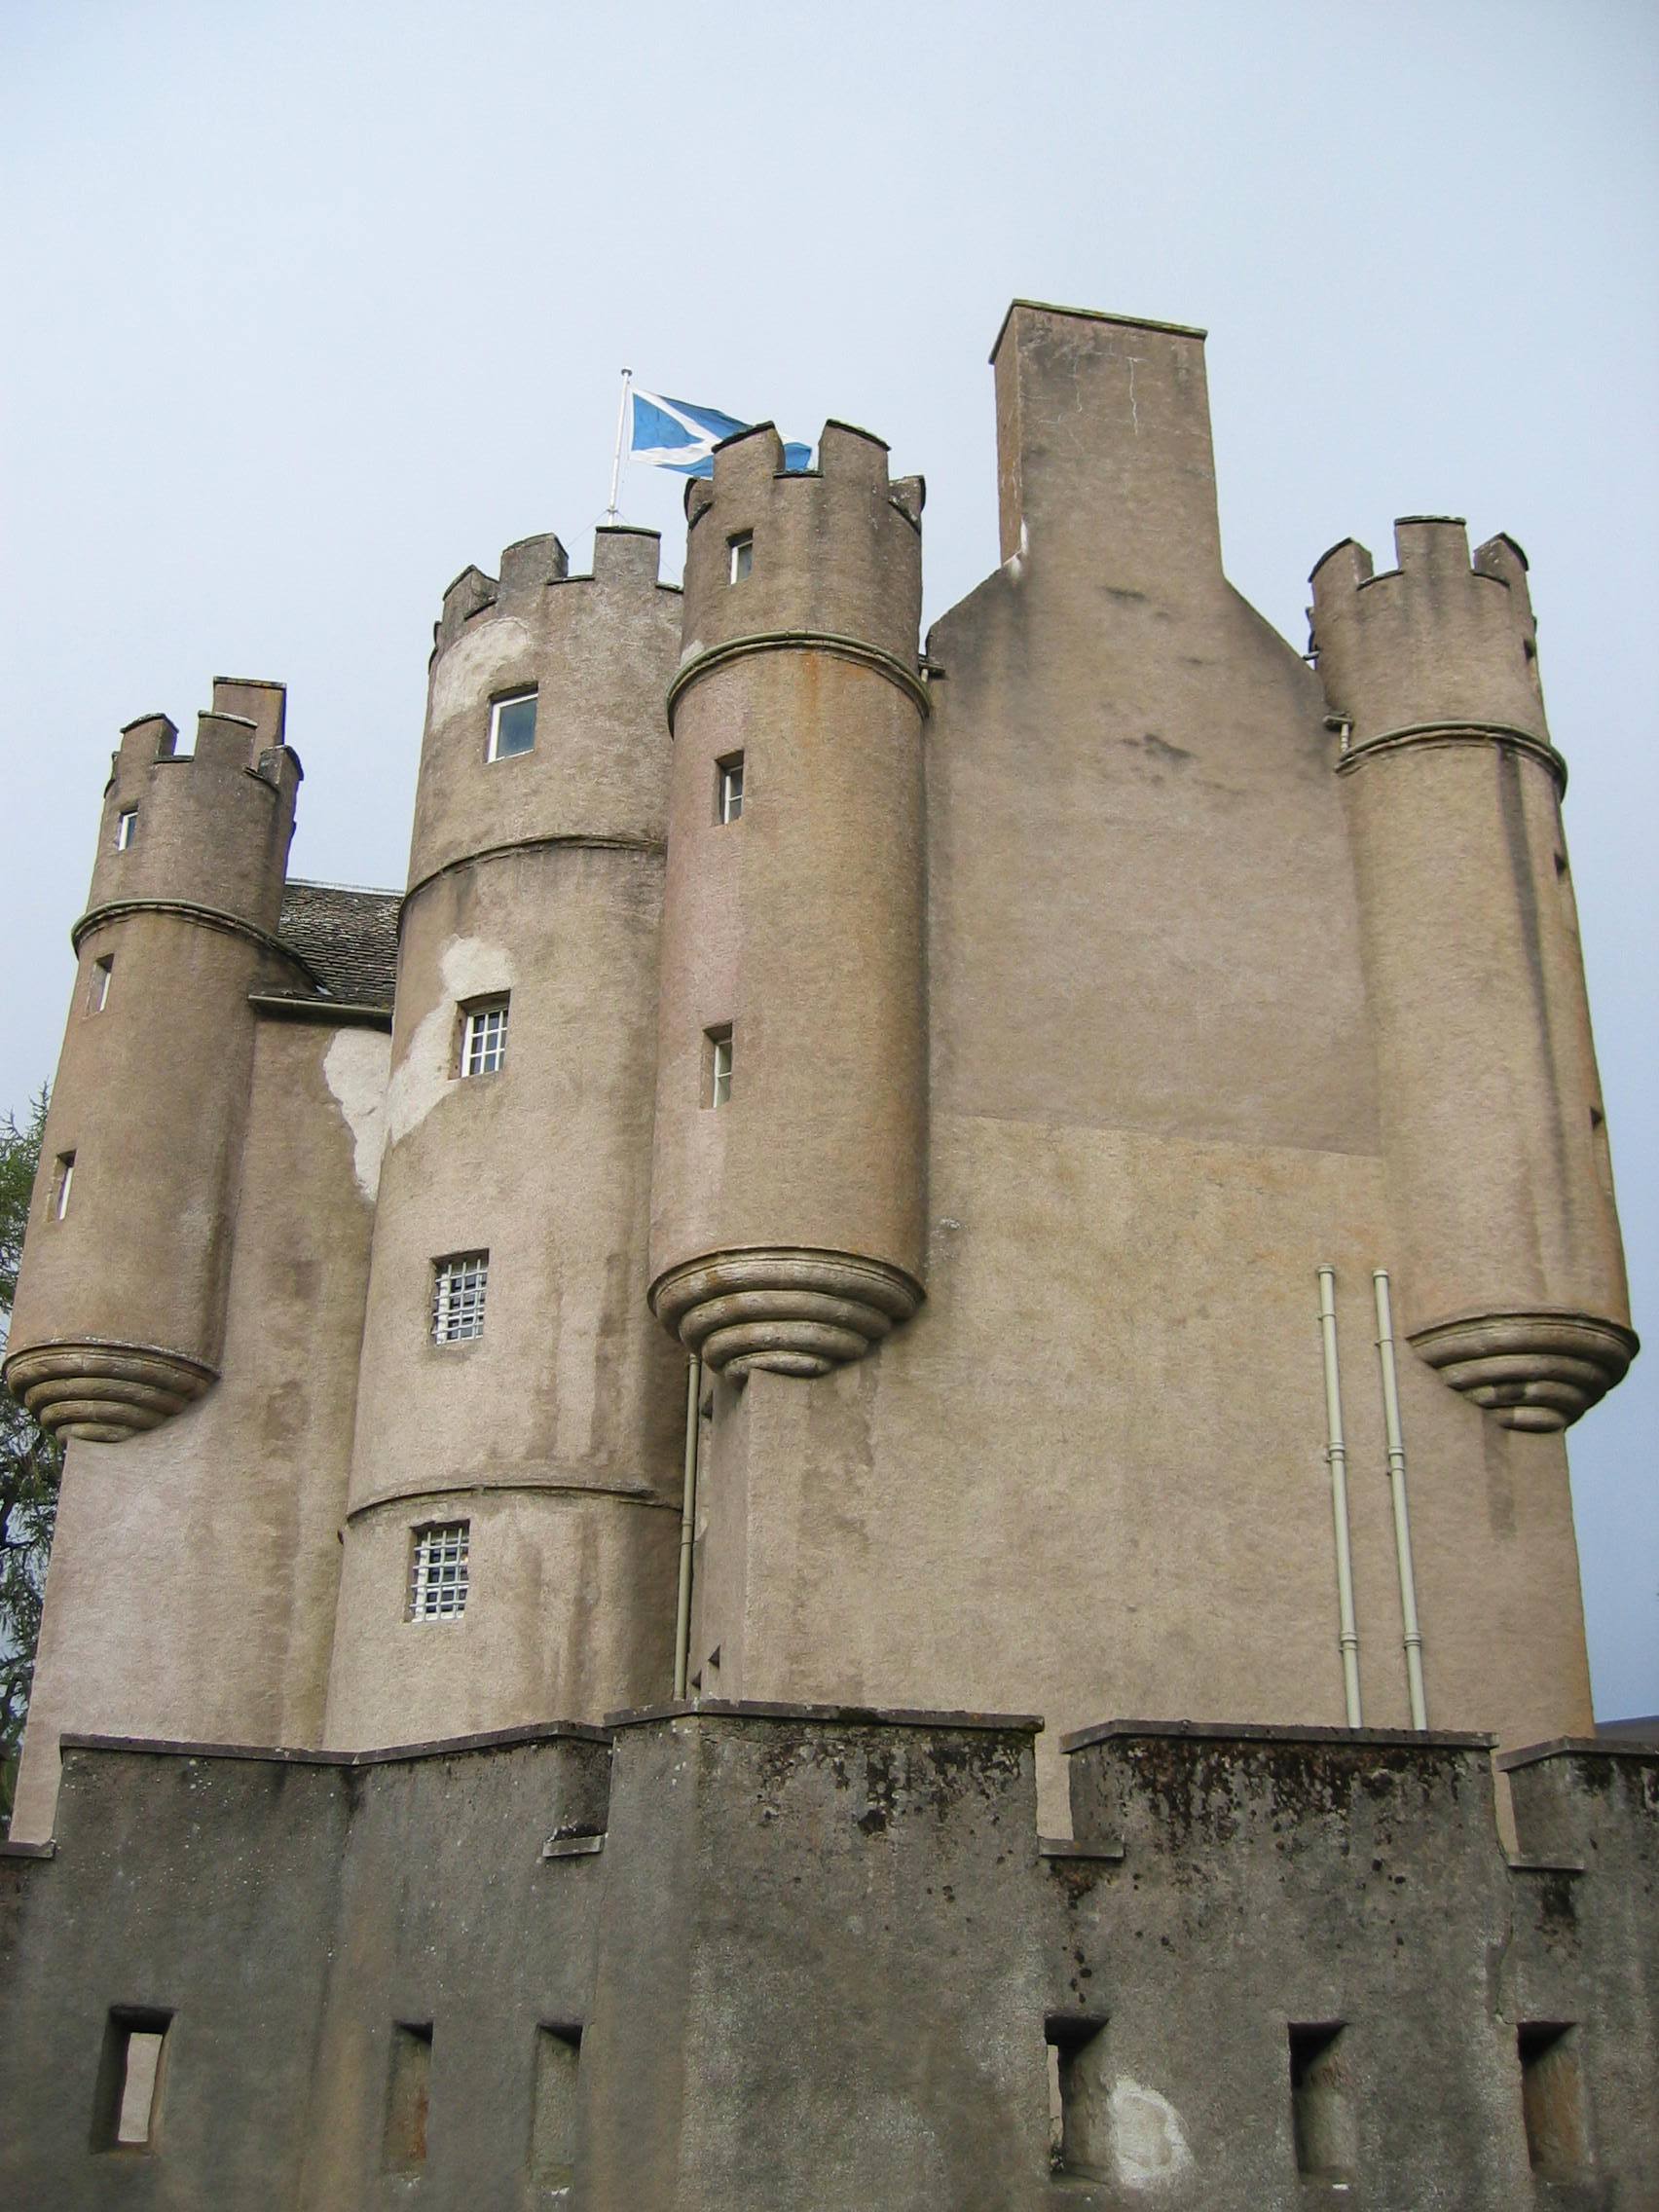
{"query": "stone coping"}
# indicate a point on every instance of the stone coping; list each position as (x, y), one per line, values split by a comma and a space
(495, 1739)
(1580, 1746)
(1257, 1732)
(1094, 315)
(823, 1715)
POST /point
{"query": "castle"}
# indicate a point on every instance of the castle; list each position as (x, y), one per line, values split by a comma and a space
(862, 1196)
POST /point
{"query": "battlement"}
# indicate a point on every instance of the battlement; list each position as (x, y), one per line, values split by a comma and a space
(1438, 639)
(624, 558)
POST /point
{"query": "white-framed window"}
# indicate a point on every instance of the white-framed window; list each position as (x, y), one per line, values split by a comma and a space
(484, 1037)
(98, 983)
(437, 1570)
(60, 1184)
(458, 1285)
(729, 788)
(742, 551)
(512, 725)
(125, 827)
(717, 1081)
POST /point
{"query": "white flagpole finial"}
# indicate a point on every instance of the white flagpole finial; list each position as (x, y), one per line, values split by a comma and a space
(613, 511)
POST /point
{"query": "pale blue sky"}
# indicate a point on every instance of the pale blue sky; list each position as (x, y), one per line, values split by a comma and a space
(310, 306)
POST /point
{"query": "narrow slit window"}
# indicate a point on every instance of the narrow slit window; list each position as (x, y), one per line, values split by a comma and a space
(1080, 2108)
(128, 2096)
(1321, 2102)
(438, 1561)
(729, 788)
(408, 2096)
(553, 2124)
(716, 1066)
(98, 983)
(741, 549)
(1552, 2099)
(512, 725)
(61, 1184)
(484, 1037)
(459, 1288)
(125, 827)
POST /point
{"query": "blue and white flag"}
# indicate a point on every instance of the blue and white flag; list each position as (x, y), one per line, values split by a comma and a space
(672, 433)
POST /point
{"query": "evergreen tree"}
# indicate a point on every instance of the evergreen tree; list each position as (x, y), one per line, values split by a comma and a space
(30, 1466)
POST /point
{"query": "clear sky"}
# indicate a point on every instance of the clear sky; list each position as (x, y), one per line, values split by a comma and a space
(308, 306)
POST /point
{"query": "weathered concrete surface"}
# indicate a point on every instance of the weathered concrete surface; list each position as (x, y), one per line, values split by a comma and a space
(788, 1958)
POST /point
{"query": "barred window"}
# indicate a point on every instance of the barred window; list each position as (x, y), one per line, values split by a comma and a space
(484, 1037)
(437, 1570)
(458, 1297)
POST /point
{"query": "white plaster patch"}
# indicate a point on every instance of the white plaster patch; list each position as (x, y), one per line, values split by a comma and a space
(354, 1068)
(471, 968)
(1149, 2144)
(475, 660)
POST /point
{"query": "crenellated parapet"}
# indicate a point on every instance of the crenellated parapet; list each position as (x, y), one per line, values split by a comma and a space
(1512, 1273)
(120, 1315)
(787, 1194)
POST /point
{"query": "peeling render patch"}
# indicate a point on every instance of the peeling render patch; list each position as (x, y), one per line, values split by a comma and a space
(471, 968)
(1149, 2144)
(479, 659)
(356, 1068)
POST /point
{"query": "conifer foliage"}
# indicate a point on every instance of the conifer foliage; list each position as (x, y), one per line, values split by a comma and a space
(30, 1466)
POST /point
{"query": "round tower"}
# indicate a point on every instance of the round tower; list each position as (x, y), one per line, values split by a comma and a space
(512, 1521)
(788, 1182)
(120, 1315)
(1512, 1273)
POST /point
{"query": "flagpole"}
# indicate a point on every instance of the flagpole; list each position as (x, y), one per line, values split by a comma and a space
(611, 512)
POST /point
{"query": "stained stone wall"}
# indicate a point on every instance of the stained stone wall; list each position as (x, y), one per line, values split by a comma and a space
(756, 1957)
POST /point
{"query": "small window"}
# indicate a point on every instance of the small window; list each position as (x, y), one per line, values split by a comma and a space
(408, 2096)
(512, 725)
(97, 985)
(125, 827)
(128, 2096)
(1321, 2103)
(62, 1183)
(741, 550)
(437, 1572)
(716, 1066)
(1079, 2101)
(729, 788)
(484, 1037)
(459, 1286)
(1551, 2100)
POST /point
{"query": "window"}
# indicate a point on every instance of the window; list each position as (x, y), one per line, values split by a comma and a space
(129, 2094)
(484, 1037)
(742, 549)
(1080, 2100)
(125, 827)
(408, 2096)
(60, 1184)
(1551, 2100)
(1321, 2105)
(512, 725)
(458, 1297)
(97, 986)
(729, 788)
(716, 1066)
(437, 1572)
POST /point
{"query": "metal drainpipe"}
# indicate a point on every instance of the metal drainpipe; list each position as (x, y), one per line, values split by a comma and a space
(687, 1531)
(1413, 1634)
(1336, 1458)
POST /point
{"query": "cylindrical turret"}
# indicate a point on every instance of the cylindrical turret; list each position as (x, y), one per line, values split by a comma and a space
(511, 1532)
(786, 1189)
(120, 1313)
(1512, 1276)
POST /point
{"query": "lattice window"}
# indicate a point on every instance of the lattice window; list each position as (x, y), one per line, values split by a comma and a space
(458, 1297)
(437, 1572)
(484, 1038)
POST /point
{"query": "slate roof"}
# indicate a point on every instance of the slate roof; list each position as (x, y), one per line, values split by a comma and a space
(347, 938)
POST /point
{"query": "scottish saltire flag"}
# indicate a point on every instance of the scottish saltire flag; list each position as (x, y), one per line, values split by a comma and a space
(672, 433)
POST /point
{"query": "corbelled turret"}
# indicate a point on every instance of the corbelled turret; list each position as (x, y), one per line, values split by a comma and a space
(1513, 1275)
